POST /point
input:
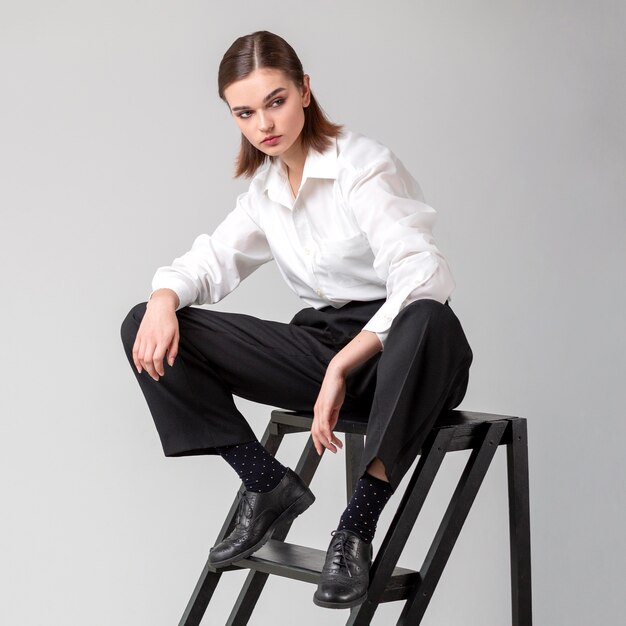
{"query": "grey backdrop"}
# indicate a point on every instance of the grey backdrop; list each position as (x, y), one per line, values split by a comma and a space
(115, 152)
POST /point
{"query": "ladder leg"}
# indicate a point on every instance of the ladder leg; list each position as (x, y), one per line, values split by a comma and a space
(452, 523)
(200, 597)
(255, 581)
(519, 524)
(354, 453)
(433, 453)
(247, 599)
(209, 578)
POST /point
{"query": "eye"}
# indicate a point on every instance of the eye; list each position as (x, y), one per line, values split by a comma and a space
(278, 101)
(244, 115)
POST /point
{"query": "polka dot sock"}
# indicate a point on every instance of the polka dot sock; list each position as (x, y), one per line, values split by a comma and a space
(257, 468)
(368, 500)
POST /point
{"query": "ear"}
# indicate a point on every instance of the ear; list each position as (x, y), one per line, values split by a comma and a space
(306, 90)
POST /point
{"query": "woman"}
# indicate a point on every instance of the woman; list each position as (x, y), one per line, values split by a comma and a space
(348, 228)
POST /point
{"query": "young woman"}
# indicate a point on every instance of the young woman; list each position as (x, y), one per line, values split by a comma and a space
(349, 230)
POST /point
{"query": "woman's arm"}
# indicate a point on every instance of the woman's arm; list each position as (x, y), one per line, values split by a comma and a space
(333, 390)
(388, 205)
(217, 263)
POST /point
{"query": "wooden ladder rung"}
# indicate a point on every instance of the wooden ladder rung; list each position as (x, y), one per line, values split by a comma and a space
(291, 560)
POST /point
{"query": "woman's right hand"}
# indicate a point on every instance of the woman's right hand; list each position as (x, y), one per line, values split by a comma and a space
(158, 334)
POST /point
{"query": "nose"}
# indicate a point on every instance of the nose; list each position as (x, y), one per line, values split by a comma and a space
(265, 122)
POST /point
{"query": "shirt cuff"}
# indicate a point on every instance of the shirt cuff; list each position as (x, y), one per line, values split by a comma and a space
(186, 292)
(383, 338)
(381, 321)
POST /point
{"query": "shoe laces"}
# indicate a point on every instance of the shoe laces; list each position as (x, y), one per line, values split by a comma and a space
(338, 548)
(244, 510)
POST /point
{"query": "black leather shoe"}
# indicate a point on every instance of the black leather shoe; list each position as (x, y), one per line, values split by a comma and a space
(345, 575)
(257, 517)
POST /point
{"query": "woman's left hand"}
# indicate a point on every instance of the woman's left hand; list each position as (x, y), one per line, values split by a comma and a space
(326, 410)
(333, 390)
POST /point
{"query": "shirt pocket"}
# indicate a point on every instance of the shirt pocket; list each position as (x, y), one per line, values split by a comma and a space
(346, 261)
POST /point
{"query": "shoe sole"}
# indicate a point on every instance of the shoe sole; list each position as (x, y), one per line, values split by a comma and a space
(288, 515)
(340, 605)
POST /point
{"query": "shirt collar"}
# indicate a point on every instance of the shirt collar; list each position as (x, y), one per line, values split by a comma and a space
(321, 164)
(317, 165)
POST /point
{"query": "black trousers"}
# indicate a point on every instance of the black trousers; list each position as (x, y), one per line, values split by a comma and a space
(400, 391)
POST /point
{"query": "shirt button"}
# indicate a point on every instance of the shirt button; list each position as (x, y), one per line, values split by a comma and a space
(319, 292)
(307, 251)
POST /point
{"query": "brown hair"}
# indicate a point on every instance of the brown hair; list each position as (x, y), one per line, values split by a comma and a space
(264, 49)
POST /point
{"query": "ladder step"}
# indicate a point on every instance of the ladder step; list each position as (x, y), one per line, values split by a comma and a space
(291, 560)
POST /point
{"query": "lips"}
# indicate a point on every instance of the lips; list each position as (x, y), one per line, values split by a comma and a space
(272, 139)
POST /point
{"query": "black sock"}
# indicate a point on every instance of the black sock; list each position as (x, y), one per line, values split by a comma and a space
(368, 500)
(257, 468)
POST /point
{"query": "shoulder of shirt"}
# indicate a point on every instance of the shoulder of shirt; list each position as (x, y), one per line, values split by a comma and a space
(358, 153)
(361, 158)
(245, 200)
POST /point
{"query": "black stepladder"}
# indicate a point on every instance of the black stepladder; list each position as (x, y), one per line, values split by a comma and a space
(481, 433)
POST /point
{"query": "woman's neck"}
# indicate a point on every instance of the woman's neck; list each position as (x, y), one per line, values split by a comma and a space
(294, 159)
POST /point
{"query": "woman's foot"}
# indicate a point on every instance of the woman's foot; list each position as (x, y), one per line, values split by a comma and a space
(345, 575)
(259, 513)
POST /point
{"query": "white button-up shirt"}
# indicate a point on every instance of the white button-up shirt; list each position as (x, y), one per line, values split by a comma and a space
(358, 229)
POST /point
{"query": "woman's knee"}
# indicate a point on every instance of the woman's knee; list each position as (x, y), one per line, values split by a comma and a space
(131, 323)
(424, 308)
(431, 315)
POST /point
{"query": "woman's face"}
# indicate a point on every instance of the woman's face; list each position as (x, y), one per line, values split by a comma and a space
(267, 105)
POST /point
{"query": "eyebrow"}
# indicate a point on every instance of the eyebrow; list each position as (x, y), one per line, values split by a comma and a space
(268, 97)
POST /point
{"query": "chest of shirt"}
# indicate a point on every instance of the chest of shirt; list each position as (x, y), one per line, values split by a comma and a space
(318, 215)
(315, 231)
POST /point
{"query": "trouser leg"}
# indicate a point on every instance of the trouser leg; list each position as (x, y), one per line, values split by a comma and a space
(423, 370)
(221, 354)
(400, 392)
